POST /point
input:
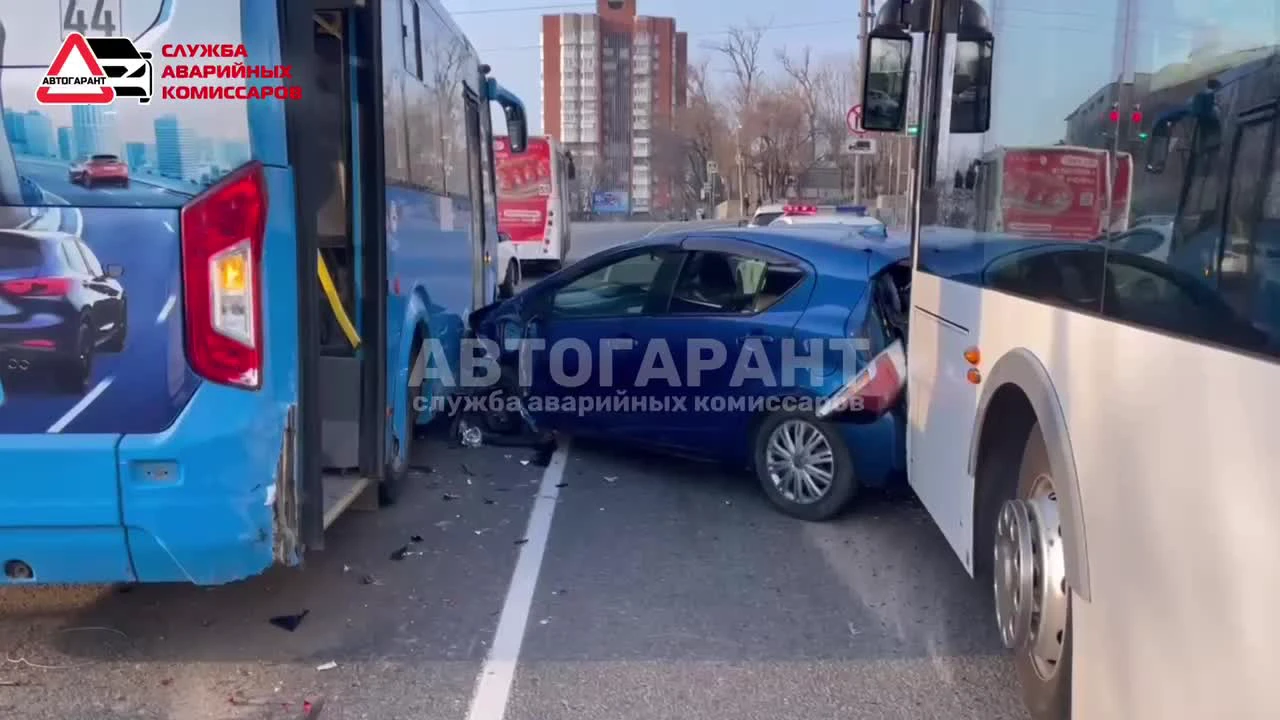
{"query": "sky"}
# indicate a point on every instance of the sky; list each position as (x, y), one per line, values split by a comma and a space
(506, 31)
(1052, 54)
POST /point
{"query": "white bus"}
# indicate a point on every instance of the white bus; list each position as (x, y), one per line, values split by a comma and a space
(1089, 427)
(533, 200)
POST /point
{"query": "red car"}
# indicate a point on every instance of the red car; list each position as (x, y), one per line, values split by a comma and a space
(99, 170)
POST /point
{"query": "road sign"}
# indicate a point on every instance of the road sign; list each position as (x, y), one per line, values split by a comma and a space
(858, 145)
(712, 167)
(853, 120)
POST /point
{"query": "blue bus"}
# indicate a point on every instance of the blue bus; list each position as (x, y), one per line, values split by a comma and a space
(213, 288)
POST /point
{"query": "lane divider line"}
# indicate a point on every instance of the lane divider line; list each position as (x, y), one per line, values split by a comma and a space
(79, 407)
(497, 675)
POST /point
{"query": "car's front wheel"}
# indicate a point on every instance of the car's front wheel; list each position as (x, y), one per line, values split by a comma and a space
(804, 466)
(1032, 598)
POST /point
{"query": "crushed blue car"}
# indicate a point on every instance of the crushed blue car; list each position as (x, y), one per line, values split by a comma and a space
(779, 350)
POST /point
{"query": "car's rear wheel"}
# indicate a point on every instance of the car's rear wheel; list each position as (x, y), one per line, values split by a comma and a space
(1033, 601)
(76, 372)
(804, 466)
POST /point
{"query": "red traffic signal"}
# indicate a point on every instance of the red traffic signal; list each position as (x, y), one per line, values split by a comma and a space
(1136, 116)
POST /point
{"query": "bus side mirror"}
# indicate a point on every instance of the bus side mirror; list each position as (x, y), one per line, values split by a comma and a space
(1158, 147)
(971, 84)
(886, 80)
(513, 110)
(571, 171)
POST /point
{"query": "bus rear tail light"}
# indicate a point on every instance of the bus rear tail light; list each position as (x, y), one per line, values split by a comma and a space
(223, 231)
(873, 390)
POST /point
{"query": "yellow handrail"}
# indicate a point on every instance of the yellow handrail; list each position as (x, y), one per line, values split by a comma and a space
(335, 302)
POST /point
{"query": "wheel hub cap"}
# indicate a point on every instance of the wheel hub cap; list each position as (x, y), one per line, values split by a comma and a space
(1030, 582)
(800, 461)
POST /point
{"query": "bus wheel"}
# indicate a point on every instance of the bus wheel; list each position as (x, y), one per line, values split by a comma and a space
(1033, 602)
(804, 466)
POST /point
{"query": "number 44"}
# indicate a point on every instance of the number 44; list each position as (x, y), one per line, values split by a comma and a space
(102, 25)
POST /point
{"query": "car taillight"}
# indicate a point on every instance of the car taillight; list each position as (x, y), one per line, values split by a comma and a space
(38, 287)
(800, 210)
(223, 231)
(873, 390)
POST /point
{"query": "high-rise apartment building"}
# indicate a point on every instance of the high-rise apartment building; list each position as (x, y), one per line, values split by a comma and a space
(611, 82)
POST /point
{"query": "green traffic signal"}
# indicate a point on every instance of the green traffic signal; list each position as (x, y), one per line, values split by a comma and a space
(913, 130)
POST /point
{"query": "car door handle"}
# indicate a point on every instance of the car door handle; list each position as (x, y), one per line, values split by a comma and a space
(760, 337)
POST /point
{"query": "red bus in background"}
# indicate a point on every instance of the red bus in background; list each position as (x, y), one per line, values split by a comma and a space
(1054, 192)
(533, 199)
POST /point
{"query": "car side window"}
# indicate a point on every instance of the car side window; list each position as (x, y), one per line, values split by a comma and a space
(72, 255)
(716, 283)
(90, 260)
(617, 289)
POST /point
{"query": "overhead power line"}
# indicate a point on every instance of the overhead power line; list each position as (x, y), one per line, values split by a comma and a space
(523, 8)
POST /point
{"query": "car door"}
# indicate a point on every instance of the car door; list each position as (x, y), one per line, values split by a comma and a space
(590, 325)
(728, 323)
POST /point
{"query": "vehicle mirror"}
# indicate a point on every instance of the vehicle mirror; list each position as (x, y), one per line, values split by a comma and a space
(503, 237)
(1158, 147)
(887, 80)
(971, 83)
(513, 111)
(115, 271)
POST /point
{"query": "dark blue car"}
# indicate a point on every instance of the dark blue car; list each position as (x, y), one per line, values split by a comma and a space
(709, 353)
(58, 307)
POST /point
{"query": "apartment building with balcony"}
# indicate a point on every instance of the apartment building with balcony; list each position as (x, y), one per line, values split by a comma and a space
(611, 82)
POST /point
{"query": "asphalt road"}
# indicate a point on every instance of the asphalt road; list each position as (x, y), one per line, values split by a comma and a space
(646, 588)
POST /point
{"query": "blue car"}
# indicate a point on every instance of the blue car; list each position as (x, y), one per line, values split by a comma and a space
(728, 345)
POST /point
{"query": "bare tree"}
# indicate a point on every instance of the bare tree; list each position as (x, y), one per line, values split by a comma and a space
(741, 48)
(809, 81)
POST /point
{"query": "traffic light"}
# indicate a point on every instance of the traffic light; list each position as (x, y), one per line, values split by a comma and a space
(1114, 115)
(1136, 116)
(913, 130)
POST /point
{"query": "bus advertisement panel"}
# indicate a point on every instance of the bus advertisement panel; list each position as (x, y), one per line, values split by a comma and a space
(524, 189)
(1054, 192)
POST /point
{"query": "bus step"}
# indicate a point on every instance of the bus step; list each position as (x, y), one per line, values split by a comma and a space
(342, 491)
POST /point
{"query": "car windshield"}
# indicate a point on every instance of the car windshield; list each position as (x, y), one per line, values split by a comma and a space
(104, 159)
(764, 218)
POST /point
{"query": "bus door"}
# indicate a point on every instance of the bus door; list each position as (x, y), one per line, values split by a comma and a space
(330, 44)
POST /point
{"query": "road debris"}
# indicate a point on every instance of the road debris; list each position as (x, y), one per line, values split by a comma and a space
(469, 435)
(522, 541)
(289, 622)
(611, 478)
(331, 665)
(449, 497)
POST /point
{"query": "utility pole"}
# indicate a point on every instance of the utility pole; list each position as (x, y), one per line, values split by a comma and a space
(864, 15)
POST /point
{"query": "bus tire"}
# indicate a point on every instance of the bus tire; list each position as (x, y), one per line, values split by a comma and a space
(831, 457)
(1029, 571)
(397, 472)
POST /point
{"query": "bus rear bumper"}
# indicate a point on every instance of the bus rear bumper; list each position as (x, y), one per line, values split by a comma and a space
(64, 556)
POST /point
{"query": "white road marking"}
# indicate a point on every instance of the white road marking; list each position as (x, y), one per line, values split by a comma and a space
(655, 230)
(168, 308)
(493, 687)
(168, 226)
(79, 407)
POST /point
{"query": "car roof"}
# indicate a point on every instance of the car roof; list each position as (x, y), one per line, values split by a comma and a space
(770, 208)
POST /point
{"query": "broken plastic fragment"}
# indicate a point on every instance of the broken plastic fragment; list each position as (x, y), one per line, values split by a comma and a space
(289, 622)
(331, 665)
(470, 435)
(448, 496)
(611, 478)
(522, 541)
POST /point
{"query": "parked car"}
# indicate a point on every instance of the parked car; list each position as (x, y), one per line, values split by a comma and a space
(59, 307)
(765, 214)
(508, 265)
(760, 289)
(99, 170)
